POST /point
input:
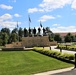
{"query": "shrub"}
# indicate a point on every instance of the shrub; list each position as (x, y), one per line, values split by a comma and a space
(56, 54)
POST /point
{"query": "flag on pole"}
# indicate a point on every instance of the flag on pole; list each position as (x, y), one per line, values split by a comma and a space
(17, 24)
(40, 24)
(29, 19)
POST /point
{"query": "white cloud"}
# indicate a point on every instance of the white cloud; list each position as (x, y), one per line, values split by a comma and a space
(56, 25)
(73, 4)
(9, 24)
(5, 17)
(17, 15)
(6, 21)
(12, 0)
(46, 17)
(49, 5)
(3, 6)
(64, 29)
(31, 10)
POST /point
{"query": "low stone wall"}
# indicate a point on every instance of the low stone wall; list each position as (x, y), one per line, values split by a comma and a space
(28, 42)
(14, 45)
(35, 41)
(13, 49)
(53, 43)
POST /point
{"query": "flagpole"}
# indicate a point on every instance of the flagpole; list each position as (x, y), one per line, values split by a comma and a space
(29, 20)
(17, 31)
(29, 23)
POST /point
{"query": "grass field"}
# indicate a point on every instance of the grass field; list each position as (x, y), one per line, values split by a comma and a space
(27, 63)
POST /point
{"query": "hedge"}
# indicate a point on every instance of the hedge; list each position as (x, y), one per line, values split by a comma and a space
(71, 48)
(56, 54)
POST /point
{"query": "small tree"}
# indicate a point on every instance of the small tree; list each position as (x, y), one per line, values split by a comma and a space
(25, 32)
(4, 38)
(39, 30)
(29, 32)
(44, 32)
(69, 38)
(34, 31)
(13, 38)
(20, 32)
(15, 31)
(6, 30)
(57, 38)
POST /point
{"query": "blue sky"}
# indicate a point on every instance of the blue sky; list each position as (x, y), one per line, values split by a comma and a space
(58, 15)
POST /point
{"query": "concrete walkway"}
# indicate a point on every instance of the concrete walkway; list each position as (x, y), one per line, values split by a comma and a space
(63, 51)
(60, 70)
(55, 71)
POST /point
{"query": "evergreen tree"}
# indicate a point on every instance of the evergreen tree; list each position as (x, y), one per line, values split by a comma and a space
(34, 31)
(13, 37)
(20, 32)
(4, 37)
(29, 32)
(44, 32)
(15, 31)
(6, 30)
(68, 38)
(25, 32)
(39, 30)
(57, 38)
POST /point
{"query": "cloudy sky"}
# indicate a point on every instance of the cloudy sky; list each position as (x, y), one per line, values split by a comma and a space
(58, 15)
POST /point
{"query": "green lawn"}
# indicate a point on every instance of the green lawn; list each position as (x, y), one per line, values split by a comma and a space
(27, 63)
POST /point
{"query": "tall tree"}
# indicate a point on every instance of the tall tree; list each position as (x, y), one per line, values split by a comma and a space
(34, 31)
(57, 38)
(39, 30)
(15, 30)
(13, 37)
(44, 32)
(29, 31)
(69, 37)
(48, 31)
(25, 32)
(6, 30)
(4, 38)
(20, 32)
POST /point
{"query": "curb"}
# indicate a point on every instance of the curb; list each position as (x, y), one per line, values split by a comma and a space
(55, 71)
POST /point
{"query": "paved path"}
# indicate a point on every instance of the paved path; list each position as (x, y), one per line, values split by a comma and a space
(72, 72)
(63, 51)
(67, 71)
(56, 72)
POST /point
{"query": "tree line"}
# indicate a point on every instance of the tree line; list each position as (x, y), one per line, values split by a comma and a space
(7, 36)
(68, 38)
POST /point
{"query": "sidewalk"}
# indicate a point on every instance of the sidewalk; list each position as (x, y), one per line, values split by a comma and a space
(55, 71)
(60, 70)
(63, 51)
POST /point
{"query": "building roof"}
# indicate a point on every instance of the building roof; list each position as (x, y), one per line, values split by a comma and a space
(64, 34)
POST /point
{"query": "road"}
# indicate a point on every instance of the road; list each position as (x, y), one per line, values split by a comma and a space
(72, 72)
